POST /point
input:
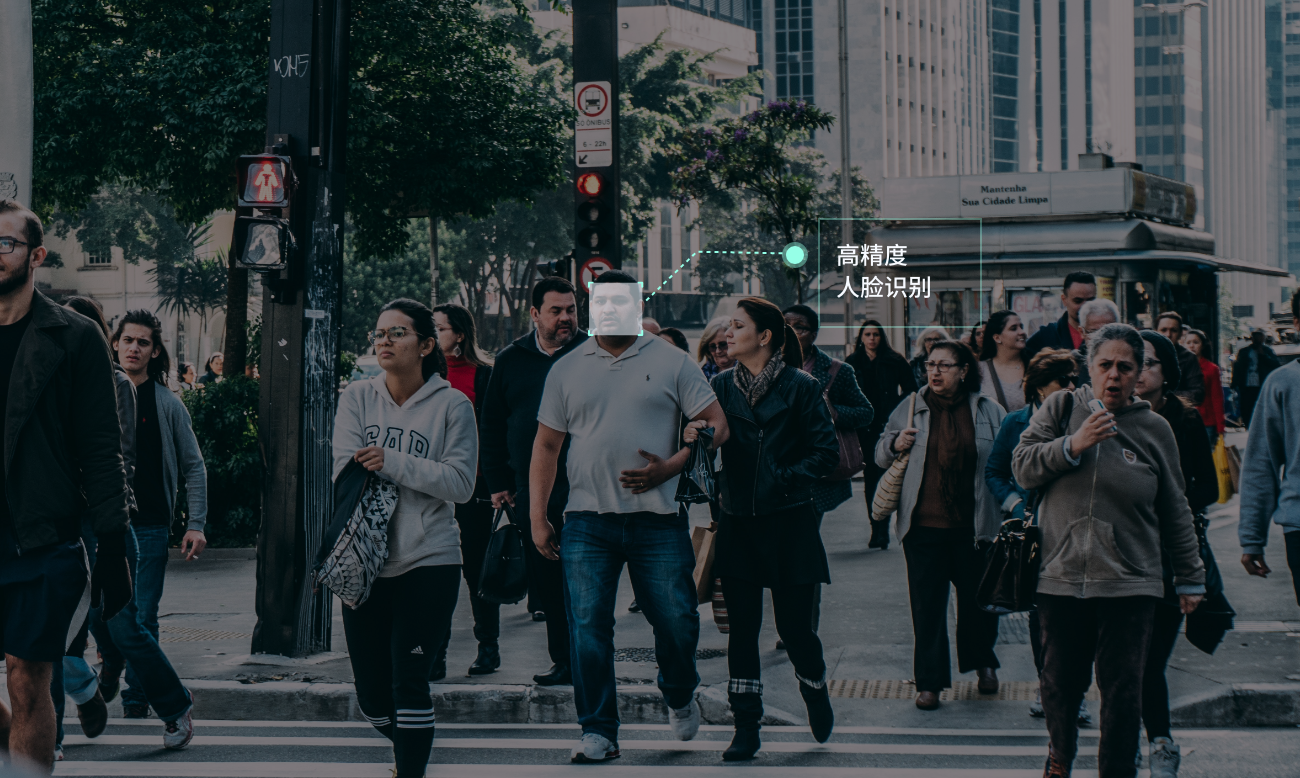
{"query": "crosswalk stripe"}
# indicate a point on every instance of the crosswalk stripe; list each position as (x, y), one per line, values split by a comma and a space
(926, 749)
(376, 770)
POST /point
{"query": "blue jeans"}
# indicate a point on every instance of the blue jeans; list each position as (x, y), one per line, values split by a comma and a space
(148, 574)
(660, 561)
(153, 680)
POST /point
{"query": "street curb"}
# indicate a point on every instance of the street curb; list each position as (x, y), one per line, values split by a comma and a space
(223, 554)
(458, 703)
(1240, 705)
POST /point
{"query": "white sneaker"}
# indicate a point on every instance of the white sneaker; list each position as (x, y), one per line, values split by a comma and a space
(685, 722)
(178, 734)
(58, 753)
(593, 748)
(1164, 758)
(1036, 709)
(1085, 718)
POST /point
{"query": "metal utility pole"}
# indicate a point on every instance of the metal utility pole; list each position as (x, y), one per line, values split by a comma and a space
(596, 169)
(307, 118)
(846, 167)
(16, 76)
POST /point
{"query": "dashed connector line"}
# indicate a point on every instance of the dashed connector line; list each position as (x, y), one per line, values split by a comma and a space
(687, 261)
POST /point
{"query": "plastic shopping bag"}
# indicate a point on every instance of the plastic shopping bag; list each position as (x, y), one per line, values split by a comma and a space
(1225, 474)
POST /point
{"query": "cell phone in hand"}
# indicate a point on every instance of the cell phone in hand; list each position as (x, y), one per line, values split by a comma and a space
(1096, 405)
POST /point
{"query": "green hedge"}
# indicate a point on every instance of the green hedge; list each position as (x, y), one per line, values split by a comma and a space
(225, 423)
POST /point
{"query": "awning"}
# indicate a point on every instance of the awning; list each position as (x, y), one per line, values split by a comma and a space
(965, 243)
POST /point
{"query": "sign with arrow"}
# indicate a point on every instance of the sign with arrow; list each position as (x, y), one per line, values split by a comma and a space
(593, 134)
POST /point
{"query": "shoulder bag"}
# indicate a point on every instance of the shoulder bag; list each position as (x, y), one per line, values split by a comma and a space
(504, 578)
(355, 545)
(890, 487)
(850, 447)
(1010, 580)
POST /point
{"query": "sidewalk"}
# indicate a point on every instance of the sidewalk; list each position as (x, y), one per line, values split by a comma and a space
(207, 619)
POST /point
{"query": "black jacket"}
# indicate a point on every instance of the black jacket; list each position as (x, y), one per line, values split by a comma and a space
(778, 448)
(508, 422)
(1056, 335)
(885, 380)
(62, 440)
(1191, 384)
(1268, 362)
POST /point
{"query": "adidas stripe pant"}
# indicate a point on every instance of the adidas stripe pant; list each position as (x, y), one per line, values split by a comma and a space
(392, 640)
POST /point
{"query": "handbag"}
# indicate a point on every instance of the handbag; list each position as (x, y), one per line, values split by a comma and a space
(697, 483)
(885, 501)
(504, 576)
(1010, 578)
(1213, 618)
(355, 545)
(1234, 466)
(850, 447)
(704, 539)
(1223, 472)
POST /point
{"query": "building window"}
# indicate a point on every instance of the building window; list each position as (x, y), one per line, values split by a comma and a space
(1065, 98)
(99, 260)
(1004, 28)
(794, 49)
(665, 243)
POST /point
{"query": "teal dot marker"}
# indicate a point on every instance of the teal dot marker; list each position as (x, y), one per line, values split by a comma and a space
(794, 255)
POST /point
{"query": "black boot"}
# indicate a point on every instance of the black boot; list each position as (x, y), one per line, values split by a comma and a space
(821, 717)
(747, 709)
(879, 535)
(489, 659)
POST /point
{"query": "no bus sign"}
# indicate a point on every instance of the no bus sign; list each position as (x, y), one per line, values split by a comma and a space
(593, 134)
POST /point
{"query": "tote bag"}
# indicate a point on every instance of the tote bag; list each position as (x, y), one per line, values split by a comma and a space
(890, 487)
(355, 545)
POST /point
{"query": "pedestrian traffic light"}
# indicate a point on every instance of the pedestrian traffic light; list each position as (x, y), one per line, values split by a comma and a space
(265, 181)
(562, 267)
(263, 243)
(596, 223)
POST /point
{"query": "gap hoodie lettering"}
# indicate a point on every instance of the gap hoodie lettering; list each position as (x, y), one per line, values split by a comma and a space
(430, 450)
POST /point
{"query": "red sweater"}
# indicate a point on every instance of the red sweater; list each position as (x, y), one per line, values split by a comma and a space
(1212, 407)
(460, 373)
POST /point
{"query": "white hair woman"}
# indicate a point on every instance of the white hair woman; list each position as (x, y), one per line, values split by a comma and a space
(1101, 575)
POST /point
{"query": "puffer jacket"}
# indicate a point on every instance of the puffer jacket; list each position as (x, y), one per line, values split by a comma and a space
(1104, 520)
(777, 449)
(988, 417)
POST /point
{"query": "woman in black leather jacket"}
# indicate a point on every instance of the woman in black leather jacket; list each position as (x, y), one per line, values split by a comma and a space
(782, 441)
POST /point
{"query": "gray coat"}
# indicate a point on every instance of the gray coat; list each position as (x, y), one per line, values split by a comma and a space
(181, 458)
(988, 418)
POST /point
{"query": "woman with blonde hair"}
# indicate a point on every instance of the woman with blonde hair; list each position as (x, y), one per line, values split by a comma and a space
(924, 342)
(712, 352)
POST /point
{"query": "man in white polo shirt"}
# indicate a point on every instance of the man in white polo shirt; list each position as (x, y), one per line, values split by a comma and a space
(619, 398)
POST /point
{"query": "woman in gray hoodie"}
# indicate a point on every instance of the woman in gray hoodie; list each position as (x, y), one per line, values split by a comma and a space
(409, 426)
(1112, 496)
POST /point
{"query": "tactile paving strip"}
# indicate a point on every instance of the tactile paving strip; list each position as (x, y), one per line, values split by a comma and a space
(1012, 691)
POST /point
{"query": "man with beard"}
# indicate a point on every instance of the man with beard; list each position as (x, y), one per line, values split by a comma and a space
(506, 434)
(62, 464)
(616, 308)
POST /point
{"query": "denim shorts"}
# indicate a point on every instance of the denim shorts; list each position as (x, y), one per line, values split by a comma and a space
(39, 593)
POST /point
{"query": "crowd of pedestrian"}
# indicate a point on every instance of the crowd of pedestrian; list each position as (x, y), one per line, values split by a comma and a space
(1098, 433)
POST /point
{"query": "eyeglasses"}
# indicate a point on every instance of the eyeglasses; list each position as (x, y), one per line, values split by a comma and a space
(940, 367)
(7, 245)
(392, 333)
(716, 347)
(1070, 380)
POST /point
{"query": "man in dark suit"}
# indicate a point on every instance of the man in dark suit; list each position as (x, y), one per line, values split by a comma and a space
(1066, 333)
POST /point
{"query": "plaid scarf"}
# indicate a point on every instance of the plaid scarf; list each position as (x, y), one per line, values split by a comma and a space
(755, 386)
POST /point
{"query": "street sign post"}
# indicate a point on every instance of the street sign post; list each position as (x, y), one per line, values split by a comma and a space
(307, 123)
(591, 269)
(595, 131)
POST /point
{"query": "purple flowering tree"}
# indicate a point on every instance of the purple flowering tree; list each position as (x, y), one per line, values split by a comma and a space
(759, 157)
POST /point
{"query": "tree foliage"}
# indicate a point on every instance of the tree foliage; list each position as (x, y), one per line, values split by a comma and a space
(225, 423)
(443, 119)
(762, 157)
(731, 225)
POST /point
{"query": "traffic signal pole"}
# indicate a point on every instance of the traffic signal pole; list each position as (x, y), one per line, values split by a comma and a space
(301, 317)
(595, 75)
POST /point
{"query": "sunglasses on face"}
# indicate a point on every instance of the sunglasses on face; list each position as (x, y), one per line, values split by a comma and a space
(717, 347)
